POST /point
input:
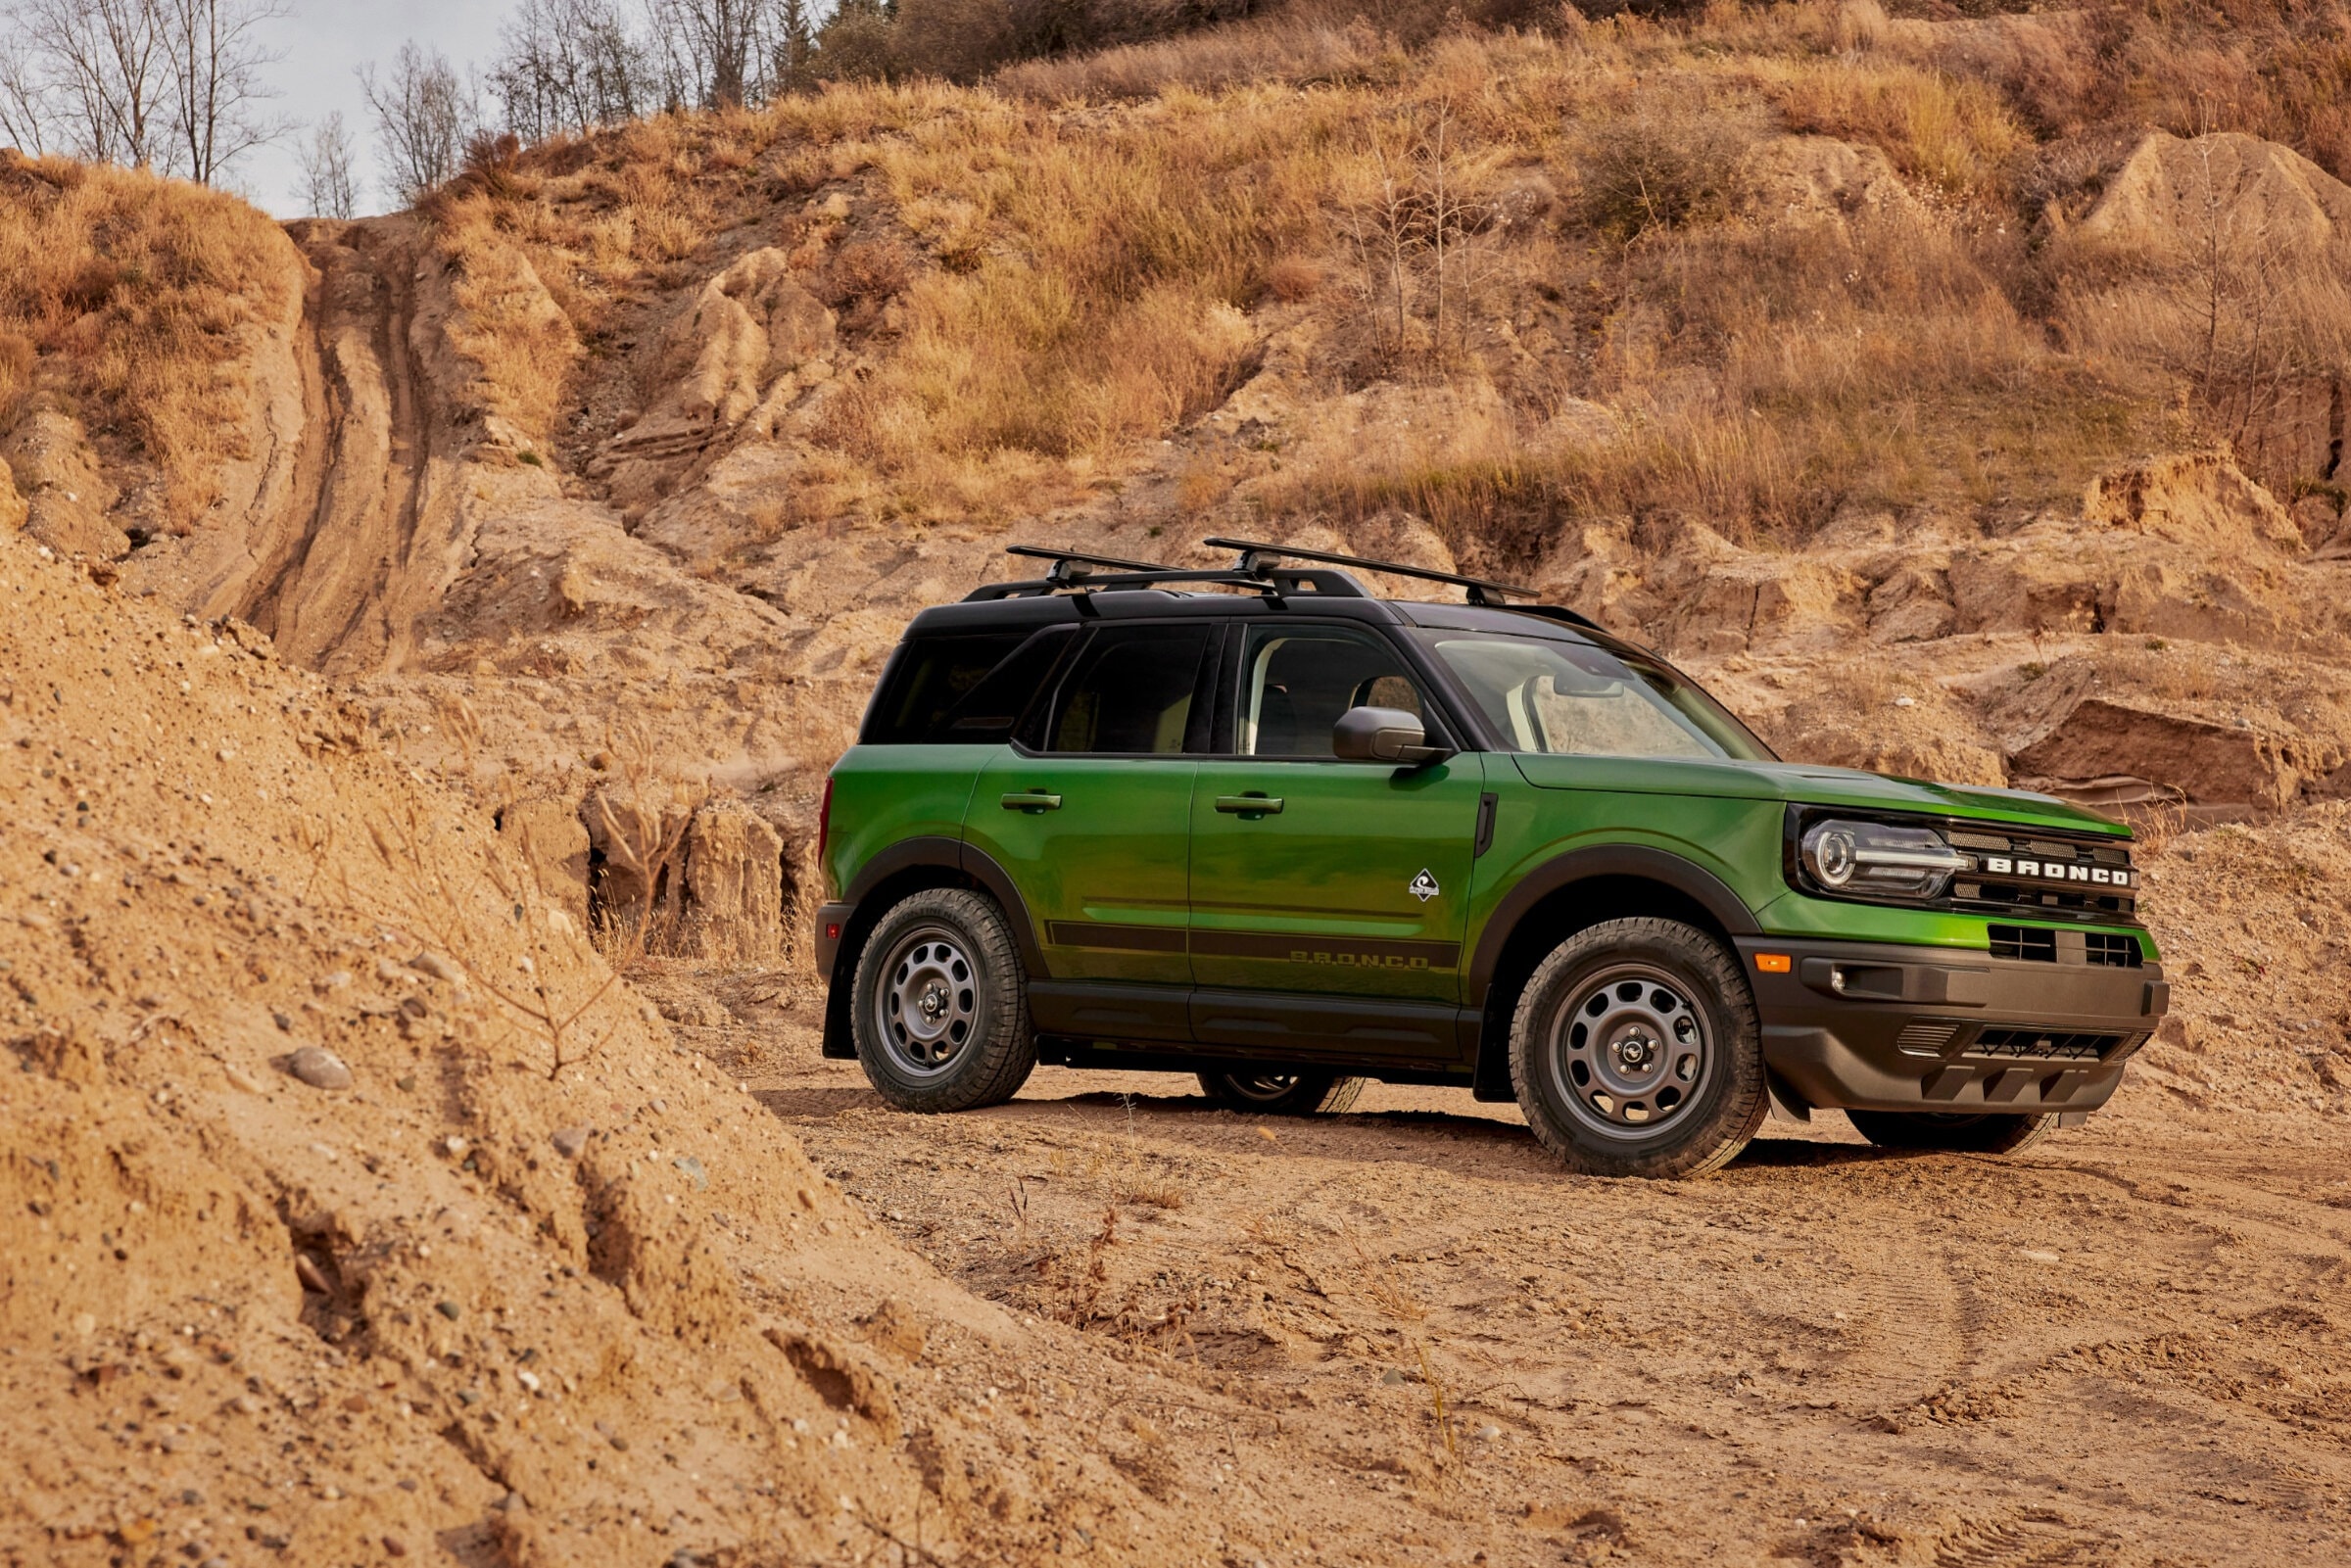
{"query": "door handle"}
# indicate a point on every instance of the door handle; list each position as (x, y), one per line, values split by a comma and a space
(1032, 801)
(1250, 805)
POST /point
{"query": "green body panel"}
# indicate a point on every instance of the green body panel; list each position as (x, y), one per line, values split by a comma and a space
(1104, 872)
(1319, 897)
(1788, 782)
(885, 796)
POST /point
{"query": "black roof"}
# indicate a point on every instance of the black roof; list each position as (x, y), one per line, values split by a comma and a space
(1078, 587)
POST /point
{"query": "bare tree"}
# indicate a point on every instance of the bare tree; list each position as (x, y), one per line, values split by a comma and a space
(107, 74)
(714, 53)
(569, 66)
(328, 188)
(27, 110)
(171, 84)
(425, 114)
(215, 57)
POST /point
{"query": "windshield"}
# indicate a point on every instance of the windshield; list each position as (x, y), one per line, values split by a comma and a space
(1549, 695)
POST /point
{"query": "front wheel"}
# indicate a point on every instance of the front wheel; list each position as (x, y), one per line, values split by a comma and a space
(940, 1010)
(1986, 1132)
(1282, 1094)
(1635, 1050)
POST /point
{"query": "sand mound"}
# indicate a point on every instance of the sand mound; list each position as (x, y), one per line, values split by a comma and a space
(350, 1201)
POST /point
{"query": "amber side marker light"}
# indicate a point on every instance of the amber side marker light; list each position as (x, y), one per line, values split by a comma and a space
(1774, 962)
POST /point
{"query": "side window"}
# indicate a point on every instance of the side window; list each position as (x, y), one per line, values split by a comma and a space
(1130, 691)
(1295, 682)
(967, 688)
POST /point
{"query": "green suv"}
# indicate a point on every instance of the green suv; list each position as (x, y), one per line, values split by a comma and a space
(1260, 826)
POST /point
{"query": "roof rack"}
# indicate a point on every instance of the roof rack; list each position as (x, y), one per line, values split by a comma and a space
(1077, 569)
(1255, 553)
(1087, 573)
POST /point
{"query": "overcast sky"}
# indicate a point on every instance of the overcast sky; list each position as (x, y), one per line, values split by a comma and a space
(325, 43)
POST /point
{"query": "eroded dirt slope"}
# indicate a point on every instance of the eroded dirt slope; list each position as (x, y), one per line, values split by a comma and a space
(510, 1277)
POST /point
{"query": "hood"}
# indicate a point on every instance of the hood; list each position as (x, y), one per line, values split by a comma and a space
(1808, 784)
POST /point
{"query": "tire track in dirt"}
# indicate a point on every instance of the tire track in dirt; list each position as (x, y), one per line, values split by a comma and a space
(333, 603)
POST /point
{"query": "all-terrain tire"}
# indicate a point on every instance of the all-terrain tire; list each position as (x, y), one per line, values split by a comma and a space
(940, 1005)
(1987, 1133)
(1635, 1050)
(1288, 1094)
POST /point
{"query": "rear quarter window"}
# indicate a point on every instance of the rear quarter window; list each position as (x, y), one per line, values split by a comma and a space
(966, 688)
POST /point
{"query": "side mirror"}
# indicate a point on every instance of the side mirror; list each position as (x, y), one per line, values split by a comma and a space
(1383, 734)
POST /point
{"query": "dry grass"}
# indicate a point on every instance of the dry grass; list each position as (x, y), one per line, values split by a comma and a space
(1065, 285)
(126, 300)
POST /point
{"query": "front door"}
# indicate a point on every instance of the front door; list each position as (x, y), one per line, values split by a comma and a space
(1328, 919)
(1094, 824)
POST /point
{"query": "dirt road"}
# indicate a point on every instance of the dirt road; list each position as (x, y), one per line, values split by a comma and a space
(2123, 1347)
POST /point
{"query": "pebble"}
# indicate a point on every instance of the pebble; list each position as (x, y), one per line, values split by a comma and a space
(2035, 1255)
(320, 1068)
(338, 980)
(393, 1546)
(239, 1078)
(693, 1171)
(569, 1141)
(439, 968)
(447, 1310)
(388, 971)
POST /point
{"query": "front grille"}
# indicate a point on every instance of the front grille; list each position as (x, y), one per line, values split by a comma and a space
(2023, 892)
(2113, 950)
(2023, 941)
(2043, 1043)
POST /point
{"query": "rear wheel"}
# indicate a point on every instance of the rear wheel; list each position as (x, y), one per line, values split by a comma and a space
(1952, 1132)
(1282, 1094)
(1635, 1050)
(939, 1011)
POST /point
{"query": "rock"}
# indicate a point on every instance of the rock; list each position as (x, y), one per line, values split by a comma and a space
(693, 1171)
(1808, 181)
(569, 1141)
(733, 885)
(13, 510)
(447, 1310)
(339, 979)
(320, 1068)
(65, 495)
(2165, 195)
(438, 966)
(2100, 745)
(553, 844)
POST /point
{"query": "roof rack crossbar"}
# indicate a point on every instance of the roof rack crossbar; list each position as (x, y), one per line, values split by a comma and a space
(1255, 553)
(1074, 569)
(1065, 559)
(1333, 584)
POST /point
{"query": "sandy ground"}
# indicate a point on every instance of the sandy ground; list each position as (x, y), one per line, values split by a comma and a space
(2125, 1346)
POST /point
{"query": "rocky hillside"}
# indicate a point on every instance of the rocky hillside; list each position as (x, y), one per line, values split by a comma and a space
(1951, 426)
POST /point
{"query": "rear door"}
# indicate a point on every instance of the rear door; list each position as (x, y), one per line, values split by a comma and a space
(1092, 821)
(1328, 898)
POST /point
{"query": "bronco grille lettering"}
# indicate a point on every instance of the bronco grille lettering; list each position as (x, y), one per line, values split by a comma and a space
(2055, 872)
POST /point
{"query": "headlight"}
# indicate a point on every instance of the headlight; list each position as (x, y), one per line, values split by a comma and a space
(1871, 858)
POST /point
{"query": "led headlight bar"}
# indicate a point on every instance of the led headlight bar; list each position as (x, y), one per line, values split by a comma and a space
(1879, 860)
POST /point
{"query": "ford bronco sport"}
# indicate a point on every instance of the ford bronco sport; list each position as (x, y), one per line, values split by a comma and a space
(1260, 826)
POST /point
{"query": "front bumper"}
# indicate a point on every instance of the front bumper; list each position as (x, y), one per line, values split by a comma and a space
(1875, 1026)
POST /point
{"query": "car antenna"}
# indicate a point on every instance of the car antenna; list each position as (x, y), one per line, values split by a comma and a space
(1256, 554)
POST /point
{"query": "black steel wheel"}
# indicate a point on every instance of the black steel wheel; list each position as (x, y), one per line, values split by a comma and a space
(1635, 1050)
(940, 1011)
(1282, 1094)
(1984, 1132)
